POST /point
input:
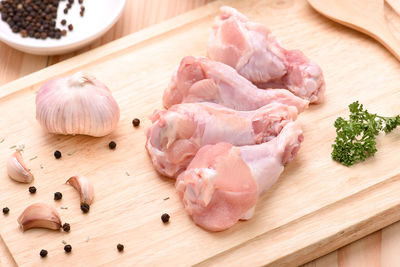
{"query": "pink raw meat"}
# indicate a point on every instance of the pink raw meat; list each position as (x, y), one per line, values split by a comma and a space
(255, 53)
(204, 80)
(179, 132)
(222, 183)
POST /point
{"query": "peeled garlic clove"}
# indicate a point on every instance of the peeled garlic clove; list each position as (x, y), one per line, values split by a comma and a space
(84, 187)
(77, 104)
(39, 215)
(17, 169)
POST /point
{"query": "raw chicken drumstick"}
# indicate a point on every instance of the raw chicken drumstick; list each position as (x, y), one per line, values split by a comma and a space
(222, 183)
(255, 53)
(204, 80)
(177, 133)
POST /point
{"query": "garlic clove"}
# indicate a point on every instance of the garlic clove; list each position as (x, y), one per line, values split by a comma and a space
(77, 104)
(17, 169)
(39, 215)
(84, 187)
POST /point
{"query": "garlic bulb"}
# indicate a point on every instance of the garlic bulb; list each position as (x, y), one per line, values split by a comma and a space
(39, 215)
(17, 169)
(77, 104)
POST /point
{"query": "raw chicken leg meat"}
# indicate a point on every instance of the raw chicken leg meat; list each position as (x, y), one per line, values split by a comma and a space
(177, 133)
(255, 53)
(222, 183)
(204, 80)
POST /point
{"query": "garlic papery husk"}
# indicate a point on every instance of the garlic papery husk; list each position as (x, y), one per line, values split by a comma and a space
(17, 169)
(39, 215)
(77, 104)
(84, 187)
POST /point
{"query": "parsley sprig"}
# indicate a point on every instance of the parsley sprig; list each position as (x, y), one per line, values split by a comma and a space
(355, 140)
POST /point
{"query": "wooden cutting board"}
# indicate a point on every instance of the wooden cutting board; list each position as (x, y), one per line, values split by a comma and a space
(316, 206)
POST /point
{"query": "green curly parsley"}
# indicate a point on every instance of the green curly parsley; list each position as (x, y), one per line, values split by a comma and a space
(355, 139)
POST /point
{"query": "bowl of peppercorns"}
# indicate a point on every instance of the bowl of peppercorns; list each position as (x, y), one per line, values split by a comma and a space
(49, 27)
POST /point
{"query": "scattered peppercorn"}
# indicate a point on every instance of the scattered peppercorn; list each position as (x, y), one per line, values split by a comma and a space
(43, 253)
(57, 196)
(64, 32)
(66, 227)
(80, 1)
(32, 190)
(85, 207)
(165, 218)
(6, 210)
(65, 10)
(67, 248)
(70, 27)
(112, 145)
(136, 122)
(57, 154)
(120, 247)
(63, 22)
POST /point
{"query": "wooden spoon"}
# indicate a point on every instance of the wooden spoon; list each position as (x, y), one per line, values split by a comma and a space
(366, 16)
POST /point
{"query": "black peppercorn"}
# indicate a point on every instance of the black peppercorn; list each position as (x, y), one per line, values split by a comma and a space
(70, 27)
(43, 253)
(57, 154)
(120, 247)
(63, 22)
(43, 35)
(32, 190)
(67, 248)
(31, 18)
(80, 1)
(66, 227)
(136, 122)
(85, 207)
(24, 33)
(165, 218)
(112, 145)
(6, 210)
(57, 196)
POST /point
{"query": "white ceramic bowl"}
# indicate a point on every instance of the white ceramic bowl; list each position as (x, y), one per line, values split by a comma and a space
(100, 16)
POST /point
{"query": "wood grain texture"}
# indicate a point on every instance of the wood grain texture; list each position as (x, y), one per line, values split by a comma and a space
(15, 64)
(145, 13)
(137, 15)
(365, 16)
(321, 211)
(6, 259)
(390, 236)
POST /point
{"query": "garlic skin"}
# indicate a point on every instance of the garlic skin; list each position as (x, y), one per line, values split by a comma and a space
(39, 215)
(17, 169)
(84, 187)
(77, 104)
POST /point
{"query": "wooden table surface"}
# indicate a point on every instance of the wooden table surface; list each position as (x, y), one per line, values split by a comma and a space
(378, 249)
